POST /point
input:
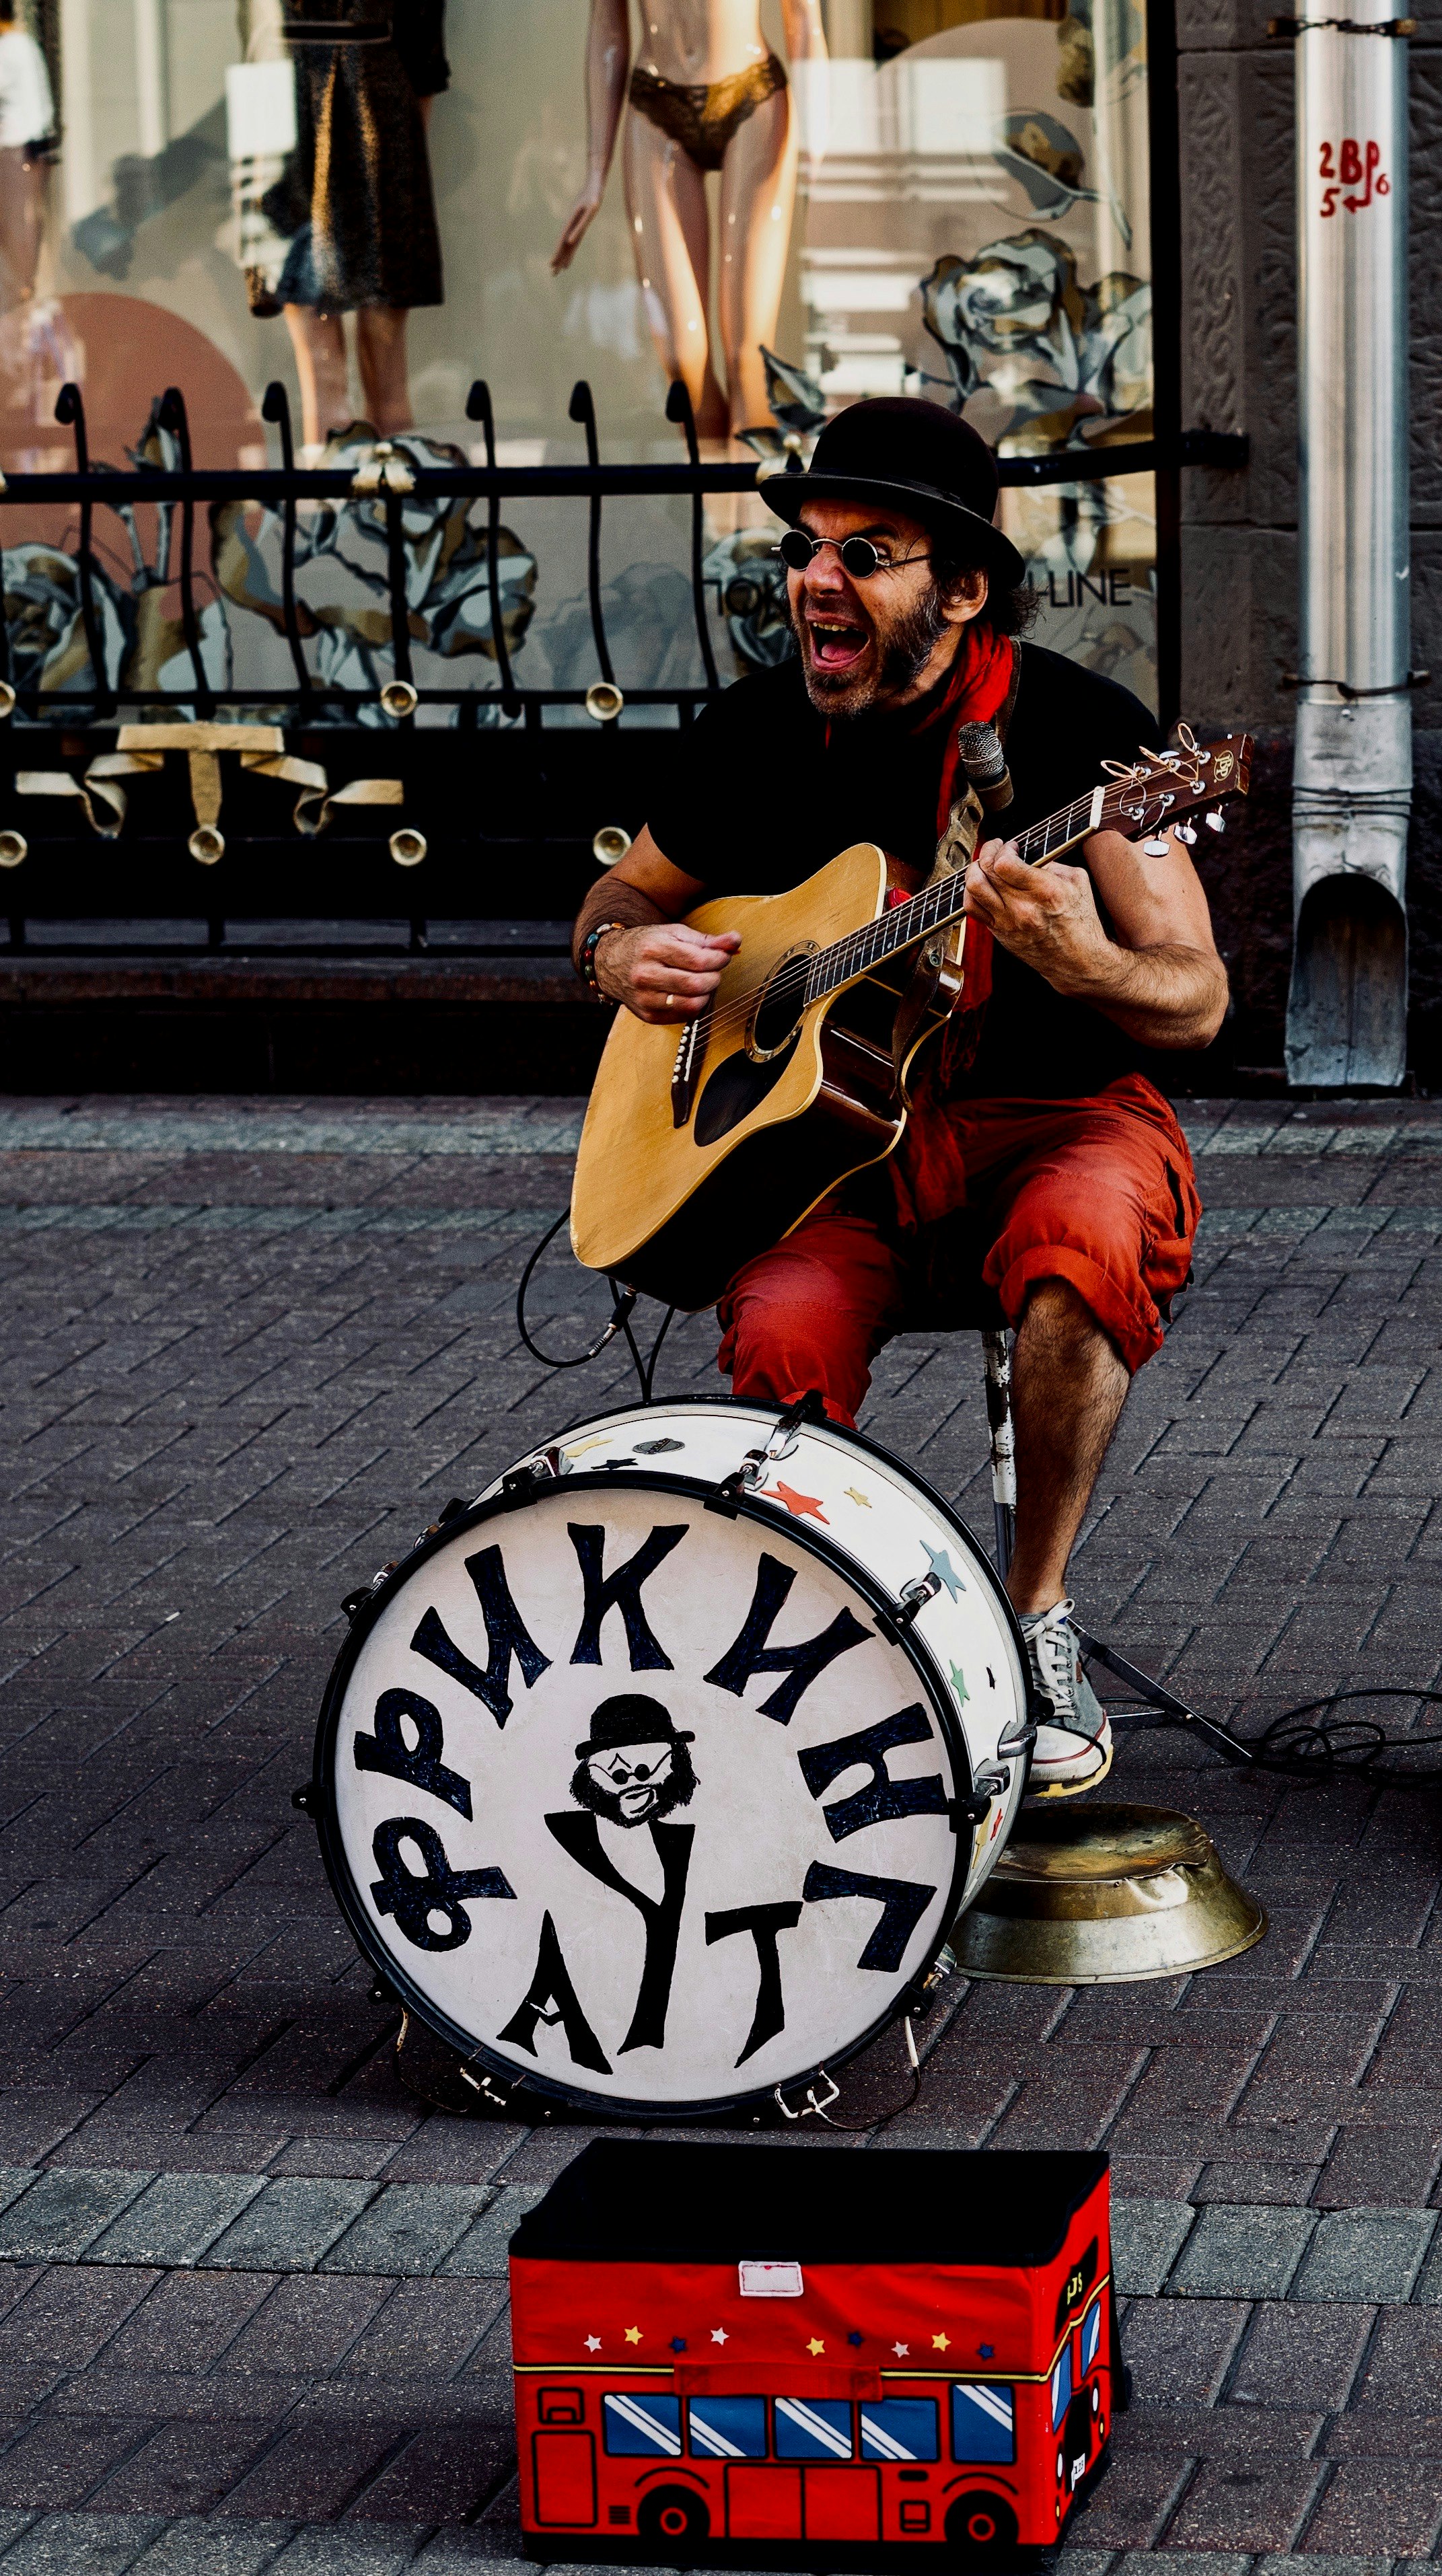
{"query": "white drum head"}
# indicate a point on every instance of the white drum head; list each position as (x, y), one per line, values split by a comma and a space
(633, 1799)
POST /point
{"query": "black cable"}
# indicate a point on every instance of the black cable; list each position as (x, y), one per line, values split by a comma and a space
(624, 1299)
(1314, 1753)
(623, 1302)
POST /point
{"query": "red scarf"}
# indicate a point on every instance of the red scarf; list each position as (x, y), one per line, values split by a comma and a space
(926, 1170)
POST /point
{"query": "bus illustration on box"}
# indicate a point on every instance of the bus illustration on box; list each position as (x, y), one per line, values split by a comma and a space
(719, 2347)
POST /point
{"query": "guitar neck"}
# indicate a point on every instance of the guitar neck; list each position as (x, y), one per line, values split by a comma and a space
(939, 905)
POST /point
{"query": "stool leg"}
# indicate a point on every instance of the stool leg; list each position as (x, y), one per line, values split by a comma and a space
(996, 1352)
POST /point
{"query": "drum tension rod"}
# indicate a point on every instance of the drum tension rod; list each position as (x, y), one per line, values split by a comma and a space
(742, 1480)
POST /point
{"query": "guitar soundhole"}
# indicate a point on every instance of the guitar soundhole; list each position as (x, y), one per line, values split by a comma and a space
(734, 1091)
(778, 1013)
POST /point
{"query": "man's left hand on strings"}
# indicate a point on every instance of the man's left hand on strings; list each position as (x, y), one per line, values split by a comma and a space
(1151, 966)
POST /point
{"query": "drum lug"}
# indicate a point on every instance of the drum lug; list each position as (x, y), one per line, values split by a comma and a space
(833, 2094)
(495, 2096)
(743, 1480)
(521, 1483)
(986, 1786)
(1016, 1742)
(914, 1598)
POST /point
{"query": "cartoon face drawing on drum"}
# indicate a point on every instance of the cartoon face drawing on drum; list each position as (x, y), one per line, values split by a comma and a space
(635, 1766)
(650, 1801)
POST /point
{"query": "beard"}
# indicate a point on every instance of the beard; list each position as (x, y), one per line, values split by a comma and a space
(676, 1790)
(901, 647)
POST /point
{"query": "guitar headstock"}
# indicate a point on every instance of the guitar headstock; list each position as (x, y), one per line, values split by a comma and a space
(1166, 787)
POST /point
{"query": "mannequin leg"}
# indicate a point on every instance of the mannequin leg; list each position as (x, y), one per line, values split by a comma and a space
(671, 239)
(758, 199)
(381, 350)
(318, 340)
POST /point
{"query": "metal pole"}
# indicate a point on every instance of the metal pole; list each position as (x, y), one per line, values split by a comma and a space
(1352, 784)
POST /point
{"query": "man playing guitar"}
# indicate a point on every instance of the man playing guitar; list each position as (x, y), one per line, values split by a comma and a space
(1033, 1110)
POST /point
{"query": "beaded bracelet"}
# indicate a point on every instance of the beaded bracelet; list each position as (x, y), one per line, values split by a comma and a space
(586, 961)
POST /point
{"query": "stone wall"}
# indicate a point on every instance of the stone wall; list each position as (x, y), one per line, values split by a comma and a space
(1239, 530)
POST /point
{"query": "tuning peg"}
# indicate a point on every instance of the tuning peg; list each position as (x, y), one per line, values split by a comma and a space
(1156, 849)
(1185, 832)
(1217, 822)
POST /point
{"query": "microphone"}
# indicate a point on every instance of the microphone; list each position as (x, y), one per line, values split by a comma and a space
(984, 761)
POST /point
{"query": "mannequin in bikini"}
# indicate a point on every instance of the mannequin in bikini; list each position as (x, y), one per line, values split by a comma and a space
(705, 93)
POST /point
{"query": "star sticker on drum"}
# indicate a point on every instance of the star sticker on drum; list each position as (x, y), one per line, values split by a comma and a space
(633, 2334)
(943, 1569)
(815, 2346)
(593, 2343)
(678, 2343)
(941, 2343)
(855, 2338)
(901, 2350)
(863, 1501)
(798, 1505)
(958, 1684)
(719, 2335)
(986, 2350)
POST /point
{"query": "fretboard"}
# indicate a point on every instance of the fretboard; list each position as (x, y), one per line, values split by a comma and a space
(942, 903)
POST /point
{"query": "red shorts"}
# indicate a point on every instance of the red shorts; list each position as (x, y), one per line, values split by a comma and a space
(1098, 1192)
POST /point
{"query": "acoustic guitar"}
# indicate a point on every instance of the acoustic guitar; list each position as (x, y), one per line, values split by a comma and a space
(696, 1155)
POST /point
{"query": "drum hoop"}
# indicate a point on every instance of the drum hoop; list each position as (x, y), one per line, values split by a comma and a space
(855, 1440)
(324, 1812)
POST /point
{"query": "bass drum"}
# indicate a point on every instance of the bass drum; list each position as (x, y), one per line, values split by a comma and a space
(654, 1778)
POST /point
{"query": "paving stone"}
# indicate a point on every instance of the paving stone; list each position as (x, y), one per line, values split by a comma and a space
(1181, 2348)
(1289, 2348)
(81, 2544)
(1401, 2498)
(409, 2228)
(176, 2220)
(1242, 2252)
(346, 2552)
(218, 2545)
(1245, 2505)
(64, 2211)
(1147, 2237)
(1365, 2254)
(290, 2225)
(482, 2252)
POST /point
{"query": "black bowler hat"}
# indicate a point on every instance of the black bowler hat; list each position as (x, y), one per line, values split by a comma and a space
(630, 1718)
(909, 455)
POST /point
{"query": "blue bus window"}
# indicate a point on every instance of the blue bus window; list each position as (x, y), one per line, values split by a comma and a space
(983, 2422)
(1091, 2335)
(813, 2428)
(899, 2428)
(728, 2428)
(641, 2427)
(1061, 2387)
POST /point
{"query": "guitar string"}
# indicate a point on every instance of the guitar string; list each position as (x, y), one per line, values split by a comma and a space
(899, 928)
(905, 924)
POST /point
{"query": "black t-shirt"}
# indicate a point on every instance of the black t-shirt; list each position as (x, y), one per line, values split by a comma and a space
(761, 800)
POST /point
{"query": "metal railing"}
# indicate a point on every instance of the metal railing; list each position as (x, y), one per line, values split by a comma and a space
(286, 486)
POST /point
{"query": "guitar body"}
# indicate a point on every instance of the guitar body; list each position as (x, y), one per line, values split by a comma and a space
(706, 1145)
(701, 1150)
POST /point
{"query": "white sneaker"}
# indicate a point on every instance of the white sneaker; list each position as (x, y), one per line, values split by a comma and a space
(1073, 1748)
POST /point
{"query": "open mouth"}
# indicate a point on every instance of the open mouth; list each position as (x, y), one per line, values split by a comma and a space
(836, 644)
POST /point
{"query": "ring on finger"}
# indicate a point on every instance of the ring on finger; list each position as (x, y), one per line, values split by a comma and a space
(670, 1001)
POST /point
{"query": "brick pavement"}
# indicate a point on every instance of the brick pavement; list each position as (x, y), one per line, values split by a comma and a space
(251, 2290)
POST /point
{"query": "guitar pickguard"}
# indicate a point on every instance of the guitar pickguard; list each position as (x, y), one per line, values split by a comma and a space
(733, 1092)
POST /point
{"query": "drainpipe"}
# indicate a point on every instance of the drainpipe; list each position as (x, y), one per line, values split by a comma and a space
(1352, 783)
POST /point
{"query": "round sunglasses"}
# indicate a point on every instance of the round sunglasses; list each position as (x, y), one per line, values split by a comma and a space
(858, 555)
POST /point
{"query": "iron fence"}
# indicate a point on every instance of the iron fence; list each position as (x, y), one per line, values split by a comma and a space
(536, 791)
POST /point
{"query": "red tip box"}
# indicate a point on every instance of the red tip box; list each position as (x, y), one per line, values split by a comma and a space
(750, 2351)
